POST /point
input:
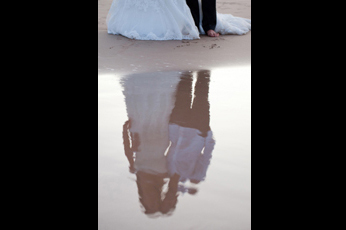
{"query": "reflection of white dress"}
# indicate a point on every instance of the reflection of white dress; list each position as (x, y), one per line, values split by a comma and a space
(164, 20)
(149, 99)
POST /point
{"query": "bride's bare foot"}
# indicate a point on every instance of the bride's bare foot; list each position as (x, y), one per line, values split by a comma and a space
(212, 33)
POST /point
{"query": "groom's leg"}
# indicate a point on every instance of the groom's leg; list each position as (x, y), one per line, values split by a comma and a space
(209, 15)
(194, 8)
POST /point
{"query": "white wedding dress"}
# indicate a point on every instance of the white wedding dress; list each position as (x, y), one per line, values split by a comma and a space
(164, 20)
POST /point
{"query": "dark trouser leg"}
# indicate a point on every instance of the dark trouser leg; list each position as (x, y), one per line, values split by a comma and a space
(200, 108)
(194, 8)
(181, 112)
(198, 116)
(209, 15)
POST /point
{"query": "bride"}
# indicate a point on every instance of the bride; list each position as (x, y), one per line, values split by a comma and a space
(165, 20)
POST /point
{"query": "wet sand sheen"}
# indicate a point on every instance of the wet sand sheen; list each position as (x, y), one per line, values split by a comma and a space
(223, 199)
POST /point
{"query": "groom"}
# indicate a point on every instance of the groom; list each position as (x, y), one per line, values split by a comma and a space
(209, 15)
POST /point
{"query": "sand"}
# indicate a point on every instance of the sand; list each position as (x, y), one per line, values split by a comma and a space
(224, 199)
(120, 55)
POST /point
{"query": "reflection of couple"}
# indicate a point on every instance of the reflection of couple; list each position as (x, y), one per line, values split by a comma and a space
(163, 122)
(171, 19)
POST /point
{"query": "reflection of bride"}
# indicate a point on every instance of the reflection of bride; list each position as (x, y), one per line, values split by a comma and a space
(165, 20)
(149, 101)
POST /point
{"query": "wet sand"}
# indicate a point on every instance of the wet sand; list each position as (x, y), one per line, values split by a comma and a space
(223, 200)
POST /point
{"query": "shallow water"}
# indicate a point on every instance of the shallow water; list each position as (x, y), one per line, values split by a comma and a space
(165, 122)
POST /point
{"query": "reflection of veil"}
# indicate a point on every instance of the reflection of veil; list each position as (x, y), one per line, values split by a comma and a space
(189, 131)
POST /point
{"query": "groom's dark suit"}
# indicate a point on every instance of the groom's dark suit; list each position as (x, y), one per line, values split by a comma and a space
(208, 11)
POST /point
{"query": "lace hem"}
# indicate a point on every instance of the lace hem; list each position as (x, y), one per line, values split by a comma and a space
(151, 36)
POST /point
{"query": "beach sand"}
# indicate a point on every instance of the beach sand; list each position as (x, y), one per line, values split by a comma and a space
(223, 200)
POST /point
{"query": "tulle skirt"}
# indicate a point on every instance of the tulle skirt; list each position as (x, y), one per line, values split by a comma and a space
(165, 20)
(152, 20)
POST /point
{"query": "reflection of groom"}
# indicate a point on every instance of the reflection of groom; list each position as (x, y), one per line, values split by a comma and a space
(191, 138)
(209, 15)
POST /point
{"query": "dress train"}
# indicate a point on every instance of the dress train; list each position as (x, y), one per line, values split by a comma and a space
(165, 20)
